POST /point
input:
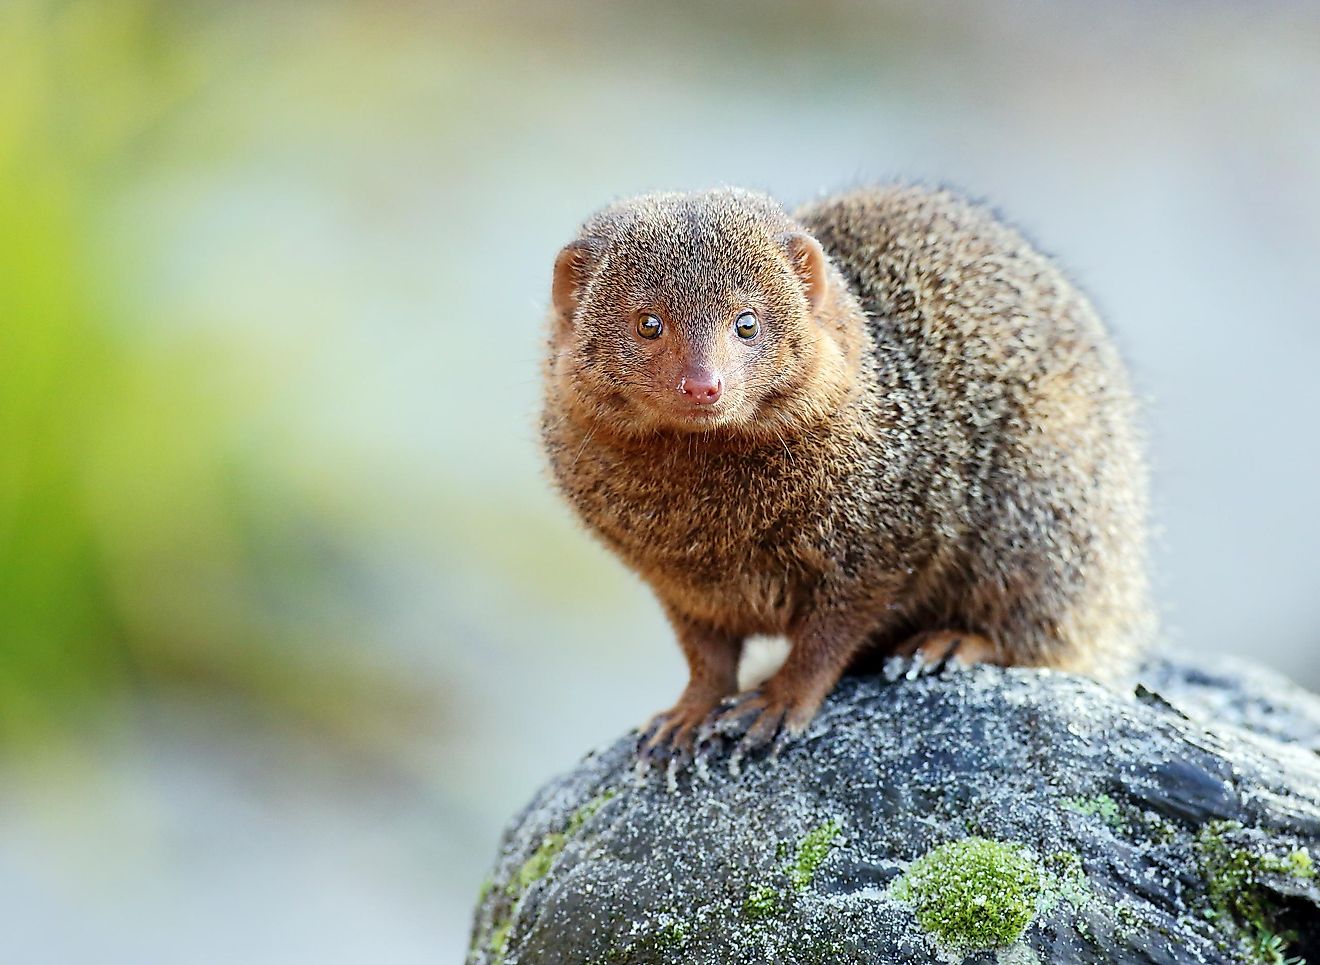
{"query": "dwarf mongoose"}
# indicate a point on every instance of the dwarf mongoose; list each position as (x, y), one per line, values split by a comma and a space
(884, 423)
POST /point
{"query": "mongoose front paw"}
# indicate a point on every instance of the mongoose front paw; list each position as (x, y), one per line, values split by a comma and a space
(758, 718)
(671, 732)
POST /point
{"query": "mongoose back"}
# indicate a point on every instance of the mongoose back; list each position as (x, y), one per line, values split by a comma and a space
(884, 424)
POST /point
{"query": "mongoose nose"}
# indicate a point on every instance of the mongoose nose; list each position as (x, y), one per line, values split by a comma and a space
(703, 388)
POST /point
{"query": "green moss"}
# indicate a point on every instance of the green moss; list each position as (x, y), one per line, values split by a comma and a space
(1295, 864)
(1129, 919)
(800, 866)
(1157, 829)
(1236, 895)
(1063, 880)
(761, 903)
(827, 952)
(534, 869)
(972, 894)
(552, 845)
(672, 936)
(1100, 806)
(538, 865)
(499, 937)
(668, 933)
(588, 811)
(812, 850)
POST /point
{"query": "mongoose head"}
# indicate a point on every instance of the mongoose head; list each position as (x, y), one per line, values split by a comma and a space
(696, 312)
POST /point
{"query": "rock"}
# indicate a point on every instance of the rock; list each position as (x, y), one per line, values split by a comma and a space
(986, 815)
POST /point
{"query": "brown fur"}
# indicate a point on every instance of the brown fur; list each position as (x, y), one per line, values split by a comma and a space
(931, 432)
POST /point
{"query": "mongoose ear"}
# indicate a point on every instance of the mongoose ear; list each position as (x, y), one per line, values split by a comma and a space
(572, 270)
(808, 260)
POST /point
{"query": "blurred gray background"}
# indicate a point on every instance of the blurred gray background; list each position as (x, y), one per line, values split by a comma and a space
(330, 627)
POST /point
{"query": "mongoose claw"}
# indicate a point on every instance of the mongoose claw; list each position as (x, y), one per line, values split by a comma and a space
(641, 771)
(653, 751)
(896, 668)
(709, 742)
(757, 721)
(771, 730)
(672, 733)
(912, 667)
(931, 654)
(921, 667)
(658, 750)
(701, 760)
(665, 759)
(784, 740)
(735, 715)
(678, 766)
(764, 730)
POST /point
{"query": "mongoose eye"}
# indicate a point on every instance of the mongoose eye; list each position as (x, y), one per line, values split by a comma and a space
(746, 325)
(648, 326)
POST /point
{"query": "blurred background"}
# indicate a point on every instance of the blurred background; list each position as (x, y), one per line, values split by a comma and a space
(290, 621)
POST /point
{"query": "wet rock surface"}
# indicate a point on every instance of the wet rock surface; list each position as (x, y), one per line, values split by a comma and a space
(986, 815)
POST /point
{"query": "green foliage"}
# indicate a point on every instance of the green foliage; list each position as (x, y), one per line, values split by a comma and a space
(78, 83)
(144, 543)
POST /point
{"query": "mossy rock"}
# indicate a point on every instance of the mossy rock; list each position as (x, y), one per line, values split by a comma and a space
(988, 815)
